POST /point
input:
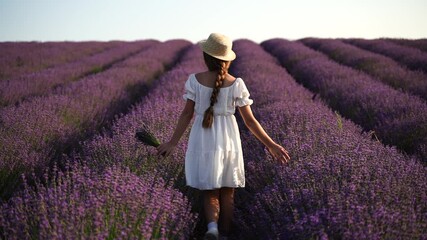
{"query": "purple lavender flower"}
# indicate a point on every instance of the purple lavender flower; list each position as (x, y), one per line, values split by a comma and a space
(396, 118)
(380, 67)
(144, 135)
(415, 43)
(19, 58)
(40, 131)
(339, 183)
(119, 147)
(82, 203)
(414, 58)
(39, 83)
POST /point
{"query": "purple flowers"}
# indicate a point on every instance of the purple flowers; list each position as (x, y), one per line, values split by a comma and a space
(144, 135)
(19, 58)
(415, 43)
(82, 203)
(414, 58)
(380, 67)
(341, 183)
(338, 184)
(396, 118)
(38, 83)
(122, 190)
(37, 132)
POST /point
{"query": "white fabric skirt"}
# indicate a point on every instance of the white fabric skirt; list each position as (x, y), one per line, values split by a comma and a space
(214, 156)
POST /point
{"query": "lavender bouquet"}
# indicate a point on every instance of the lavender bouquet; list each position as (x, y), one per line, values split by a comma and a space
(145, 136)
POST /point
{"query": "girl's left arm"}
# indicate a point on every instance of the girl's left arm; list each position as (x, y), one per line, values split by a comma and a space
(184, 119)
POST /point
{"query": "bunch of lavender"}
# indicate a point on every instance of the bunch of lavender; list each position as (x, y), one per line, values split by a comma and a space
(144, 135)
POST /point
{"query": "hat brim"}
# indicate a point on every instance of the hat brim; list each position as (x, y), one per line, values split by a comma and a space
(231, 55)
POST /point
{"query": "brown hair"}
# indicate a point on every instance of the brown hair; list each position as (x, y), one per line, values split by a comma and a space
(214, 64)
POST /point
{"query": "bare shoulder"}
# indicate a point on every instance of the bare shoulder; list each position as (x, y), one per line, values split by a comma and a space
(230, 77)
(201, 74)
(205, 78)
(229, 80)
(208, 78)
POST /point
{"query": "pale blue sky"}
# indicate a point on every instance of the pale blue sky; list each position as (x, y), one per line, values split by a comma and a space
(78, 20)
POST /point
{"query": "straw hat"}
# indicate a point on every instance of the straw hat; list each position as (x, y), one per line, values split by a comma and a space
(218, 46)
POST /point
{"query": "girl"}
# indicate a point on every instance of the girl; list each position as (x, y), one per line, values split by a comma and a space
(214, 160)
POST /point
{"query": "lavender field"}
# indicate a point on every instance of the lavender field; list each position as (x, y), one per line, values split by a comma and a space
(351, 112)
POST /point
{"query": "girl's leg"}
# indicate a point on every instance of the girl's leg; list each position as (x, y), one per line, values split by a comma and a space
(211, 205)
(227, 208)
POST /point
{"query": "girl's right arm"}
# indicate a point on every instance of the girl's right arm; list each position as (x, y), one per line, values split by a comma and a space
(184, 120)
(255, 127)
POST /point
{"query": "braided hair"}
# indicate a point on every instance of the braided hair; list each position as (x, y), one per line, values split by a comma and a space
(214, 64)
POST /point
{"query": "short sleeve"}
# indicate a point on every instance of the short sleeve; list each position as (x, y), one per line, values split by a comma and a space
(241, 94)
(189, 91)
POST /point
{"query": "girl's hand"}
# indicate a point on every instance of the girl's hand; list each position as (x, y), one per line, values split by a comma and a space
(165, 149)
(279, 153)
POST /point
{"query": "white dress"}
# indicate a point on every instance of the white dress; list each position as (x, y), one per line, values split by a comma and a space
(214, 156)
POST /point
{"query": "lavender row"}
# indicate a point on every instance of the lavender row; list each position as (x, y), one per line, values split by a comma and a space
(81, 203)
(397, 118)
(39, 83)
(339, 184)
(379, 66)
(39, 131)
(413, 58)
(18, 58)
(415, 43)
(158, 110)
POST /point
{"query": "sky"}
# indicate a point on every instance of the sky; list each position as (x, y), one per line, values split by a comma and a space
(194, 20)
